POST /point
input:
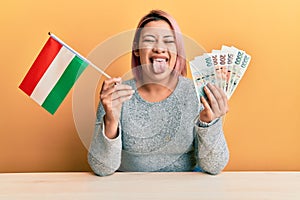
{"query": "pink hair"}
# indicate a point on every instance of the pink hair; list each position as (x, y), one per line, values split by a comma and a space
(156, 15)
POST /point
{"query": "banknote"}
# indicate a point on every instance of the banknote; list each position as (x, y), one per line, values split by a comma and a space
(231, 57)
(240, 71)
(221, 66)
(215, 59)
(204, 74)
(224, 68)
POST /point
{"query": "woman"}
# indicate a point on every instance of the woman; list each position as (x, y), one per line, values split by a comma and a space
(154, 122)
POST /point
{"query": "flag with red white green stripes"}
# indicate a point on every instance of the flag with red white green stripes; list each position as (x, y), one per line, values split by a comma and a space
(52, 75)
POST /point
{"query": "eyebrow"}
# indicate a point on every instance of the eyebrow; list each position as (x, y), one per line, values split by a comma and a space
(166, 36)
(148, 35)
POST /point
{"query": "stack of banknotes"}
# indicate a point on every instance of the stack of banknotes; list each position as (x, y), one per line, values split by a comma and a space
(224, 68)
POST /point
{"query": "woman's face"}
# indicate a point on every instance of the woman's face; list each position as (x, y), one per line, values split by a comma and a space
(157, 50)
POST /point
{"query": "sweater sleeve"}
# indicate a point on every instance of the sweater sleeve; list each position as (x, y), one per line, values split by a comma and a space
(213, 153)
(104, 155)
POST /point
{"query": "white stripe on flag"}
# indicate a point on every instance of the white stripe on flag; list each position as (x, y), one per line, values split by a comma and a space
(52, 75)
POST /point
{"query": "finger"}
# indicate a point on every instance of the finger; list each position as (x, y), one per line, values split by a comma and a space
(110, 82)
(221, 91)
(223, 101)
(120, 100)
(205, 103)
(114, 88)
(120, 90)
(217, 92)
(107, 93)
(121, 93)
(211, 99)
(122, 87)
(108, 90)
(114, 105)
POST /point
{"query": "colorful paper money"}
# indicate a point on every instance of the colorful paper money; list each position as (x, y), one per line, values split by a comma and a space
(224, 68)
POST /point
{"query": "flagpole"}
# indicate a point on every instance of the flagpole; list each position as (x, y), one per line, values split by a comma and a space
(79, 55)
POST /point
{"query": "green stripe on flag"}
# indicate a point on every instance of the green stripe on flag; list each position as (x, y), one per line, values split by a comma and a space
(64, 84)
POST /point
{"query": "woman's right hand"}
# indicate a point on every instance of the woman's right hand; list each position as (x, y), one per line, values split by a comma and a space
(112, 95)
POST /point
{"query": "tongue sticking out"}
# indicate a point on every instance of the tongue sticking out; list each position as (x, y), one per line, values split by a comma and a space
(159, 65)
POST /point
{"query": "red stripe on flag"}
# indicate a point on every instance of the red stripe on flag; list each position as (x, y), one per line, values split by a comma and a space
(40, 65)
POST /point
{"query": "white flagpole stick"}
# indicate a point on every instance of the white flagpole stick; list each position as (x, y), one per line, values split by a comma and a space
(78, 54)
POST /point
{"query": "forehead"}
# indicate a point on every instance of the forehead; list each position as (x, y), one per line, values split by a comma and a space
(157, 28)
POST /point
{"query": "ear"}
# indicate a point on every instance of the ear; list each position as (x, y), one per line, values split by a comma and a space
(136, 52)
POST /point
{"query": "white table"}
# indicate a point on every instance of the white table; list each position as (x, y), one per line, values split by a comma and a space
(183, 186)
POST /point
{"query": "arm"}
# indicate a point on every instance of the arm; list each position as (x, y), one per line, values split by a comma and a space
(213, 154)
(105, 150)
(104, 155)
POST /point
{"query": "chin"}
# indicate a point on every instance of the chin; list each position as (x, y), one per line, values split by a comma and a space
(157, 77)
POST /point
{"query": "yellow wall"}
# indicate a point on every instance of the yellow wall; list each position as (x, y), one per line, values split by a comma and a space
(262, 127)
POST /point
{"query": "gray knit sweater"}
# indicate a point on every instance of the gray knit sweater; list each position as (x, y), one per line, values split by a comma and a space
(160, 136)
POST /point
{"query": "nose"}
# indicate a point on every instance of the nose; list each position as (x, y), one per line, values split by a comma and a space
(159, 47)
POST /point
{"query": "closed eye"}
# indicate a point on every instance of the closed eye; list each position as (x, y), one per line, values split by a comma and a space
(148, 40)
(169, 41)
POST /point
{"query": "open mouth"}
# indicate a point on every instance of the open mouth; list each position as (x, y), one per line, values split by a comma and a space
(159, 64)
(159, 60)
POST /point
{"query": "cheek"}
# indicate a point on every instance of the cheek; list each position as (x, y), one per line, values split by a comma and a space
(143, 55)
(173, 58)
(172, 48)
(173, 53)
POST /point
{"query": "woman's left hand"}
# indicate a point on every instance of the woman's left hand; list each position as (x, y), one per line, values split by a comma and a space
(217, 104)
